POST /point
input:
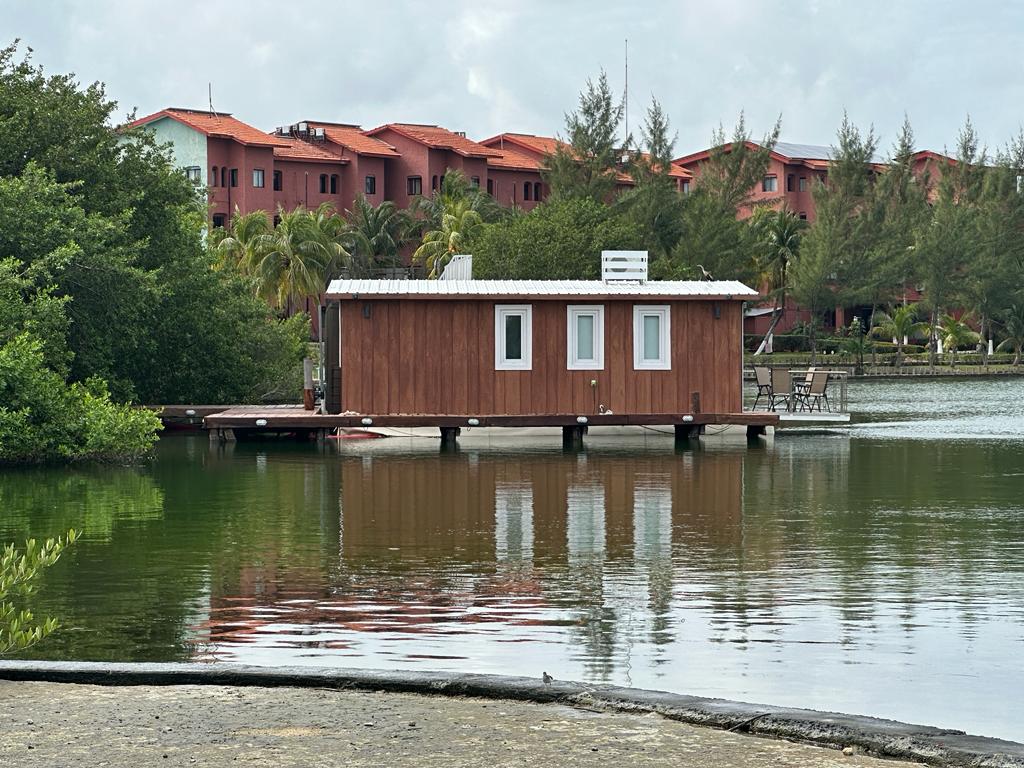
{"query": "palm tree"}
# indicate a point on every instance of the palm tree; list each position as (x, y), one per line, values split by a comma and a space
(1013, 325)
(455, 192)
(240, 247)
(899, 324)
(375, 234)
(296, 258)
(956, 333)
(453, 237)
(779, 234)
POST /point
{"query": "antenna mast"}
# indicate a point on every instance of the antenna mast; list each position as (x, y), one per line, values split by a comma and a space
(209, 91)
(625, 98)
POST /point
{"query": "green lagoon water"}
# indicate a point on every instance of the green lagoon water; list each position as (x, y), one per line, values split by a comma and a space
(875, 569)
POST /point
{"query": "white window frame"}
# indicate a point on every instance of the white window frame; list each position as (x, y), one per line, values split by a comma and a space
(258, 175)
(573, 361)
(501, 362)
(194, 174)
(770, 180)
(664, 361)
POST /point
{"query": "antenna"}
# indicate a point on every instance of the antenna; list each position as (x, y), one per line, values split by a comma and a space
(209, 90)
(625, 98)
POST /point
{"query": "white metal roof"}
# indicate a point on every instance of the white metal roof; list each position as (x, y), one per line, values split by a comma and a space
(704, 288)
(811, 151)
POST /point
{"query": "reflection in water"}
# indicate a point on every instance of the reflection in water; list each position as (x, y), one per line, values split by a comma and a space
(868, 575)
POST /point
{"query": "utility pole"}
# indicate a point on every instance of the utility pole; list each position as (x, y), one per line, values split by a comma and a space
(625, 99)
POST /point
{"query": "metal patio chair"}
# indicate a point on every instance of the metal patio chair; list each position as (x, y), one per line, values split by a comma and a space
(782, 389)
(763, 377)
(816, 395)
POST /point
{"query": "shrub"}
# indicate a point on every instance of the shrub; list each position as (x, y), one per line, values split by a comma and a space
(19, 572)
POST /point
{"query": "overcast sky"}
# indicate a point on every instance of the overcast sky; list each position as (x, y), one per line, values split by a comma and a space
(518, 65)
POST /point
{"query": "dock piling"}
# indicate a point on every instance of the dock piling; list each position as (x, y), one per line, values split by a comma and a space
(450, 437)
(572, 437)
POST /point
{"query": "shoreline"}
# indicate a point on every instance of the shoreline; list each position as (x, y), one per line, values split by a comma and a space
(869, 735)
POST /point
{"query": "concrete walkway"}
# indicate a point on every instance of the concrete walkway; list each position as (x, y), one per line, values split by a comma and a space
(57, 724)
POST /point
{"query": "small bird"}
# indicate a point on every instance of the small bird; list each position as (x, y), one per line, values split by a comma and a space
(548, 679)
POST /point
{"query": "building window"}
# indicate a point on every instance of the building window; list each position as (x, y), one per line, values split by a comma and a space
(213, 176)
(490, 187)
(414, 185)
(334, 183)
(277, 220)
(513, 337)
(257, 177)
(323, 183)
(651, 334)
(234, 177)
(803, 215)
(223, 176)
(526, 190)
(770, 184)
(370, 185)
(194, 174)
(433, 181)
(536, 191)
(789, 182)
(474, 180)
(278, 181)
(686, 187)
(585, 337)
(219, 219)
(803, 184)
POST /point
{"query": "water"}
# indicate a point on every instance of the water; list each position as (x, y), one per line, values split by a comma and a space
(875, 569)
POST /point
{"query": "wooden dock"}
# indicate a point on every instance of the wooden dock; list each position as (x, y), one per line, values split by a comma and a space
(294, 419)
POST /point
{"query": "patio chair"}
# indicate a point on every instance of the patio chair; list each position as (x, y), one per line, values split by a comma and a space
(763, 377)
(816, 395)
(801, 386)
(782, 388)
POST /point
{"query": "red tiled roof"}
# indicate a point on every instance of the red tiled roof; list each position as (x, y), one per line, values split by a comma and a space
(542, 145)
(220, 125)
(354, 138)
(436, 137)
(509, 159)
(297, 149)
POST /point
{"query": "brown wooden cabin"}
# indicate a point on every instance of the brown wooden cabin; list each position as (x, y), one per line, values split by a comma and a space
(523, 353)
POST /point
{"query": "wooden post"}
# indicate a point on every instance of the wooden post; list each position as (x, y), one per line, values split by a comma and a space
(307, 384)
(449, 437)
(755, 431)
(572, 437)
(685, 433)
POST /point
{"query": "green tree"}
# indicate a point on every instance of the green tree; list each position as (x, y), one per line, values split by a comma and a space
(777, 237)
(376, 234)
(459, 225)
(19, 577)
(560, 240)
(1012, 322)
(955, 333)
(899, 324)
(838, 243)
(584, 163)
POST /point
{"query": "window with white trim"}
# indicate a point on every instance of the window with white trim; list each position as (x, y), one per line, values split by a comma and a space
(585, 337)
(652, 331)
(513, 337)
(770, 184)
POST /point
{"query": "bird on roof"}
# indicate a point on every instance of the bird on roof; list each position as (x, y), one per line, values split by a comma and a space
(704, 274)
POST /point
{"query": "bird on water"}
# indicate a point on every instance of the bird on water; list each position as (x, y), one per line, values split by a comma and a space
(547, 679)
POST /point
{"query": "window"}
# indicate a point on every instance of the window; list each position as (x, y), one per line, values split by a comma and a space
(433, 181)
(334, 183)
(526, 190)
(770, 184)
(789, 183)
(234, 177)
(536, 190)
(278, 181)
(194, 174)
(803, 184)
(651, 333)
(257, 177)
(585, 337)
(323, 183)
(223, 176)
(414, 185)
(213, 176)
(490, 187)
(803, 215)
(686, 187)
(474, 180)
(513, 337)
(219, 219)
(277, 220)
(370, 185)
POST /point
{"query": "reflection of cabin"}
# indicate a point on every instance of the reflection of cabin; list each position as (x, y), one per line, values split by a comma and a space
(537, 352)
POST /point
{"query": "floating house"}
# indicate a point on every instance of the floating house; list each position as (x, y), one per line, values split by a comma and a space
(453, 353)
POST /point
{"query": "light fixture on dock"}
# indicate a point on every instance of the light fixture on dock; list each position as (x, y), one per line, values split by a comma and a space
(190, 412)
(261, 422)
(474, 422)
(581, 419)
(687, 418)
(367, 422)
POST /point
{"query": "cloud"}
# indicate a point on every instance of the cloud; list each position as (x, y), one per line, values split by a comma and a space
(486, 66)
